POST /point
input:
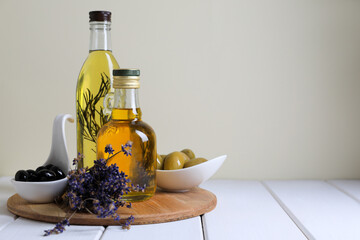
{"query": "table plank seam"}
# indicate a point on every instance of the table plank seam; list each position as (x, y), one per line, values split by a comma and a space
(293, 218)
(342, 190)
(202, 219)
(103, 232)
(5, 225)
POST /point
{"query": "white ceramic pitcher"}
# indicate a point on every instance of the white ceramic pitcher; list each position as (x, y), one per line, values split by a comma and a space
(58, 154)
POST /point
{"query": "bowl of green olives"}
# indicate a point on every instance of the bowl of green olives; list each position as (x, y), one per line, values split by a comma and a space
(181, 170)
(42, 185)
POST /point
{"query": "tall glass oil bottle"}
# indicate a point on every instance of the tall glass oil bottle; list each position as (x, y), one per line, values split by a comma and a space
(126, 124)
(94, 83)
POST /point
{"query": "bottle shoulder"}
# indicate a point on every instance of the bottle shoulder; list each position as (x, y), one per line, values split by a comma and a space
(102, 58)
(96, 64)
(101, 53)
(141, 125)
(117, 127)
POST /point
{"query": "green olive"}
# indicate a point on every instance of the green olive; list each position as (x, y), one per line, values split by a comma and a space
(175, 160)
(189, 153)
(159, 162)
(194, 162)
(163, 156)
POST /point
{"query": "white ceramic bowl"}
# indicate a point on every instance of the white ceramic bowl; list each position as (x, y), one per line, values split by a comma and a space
(182, 180)
(40, 192)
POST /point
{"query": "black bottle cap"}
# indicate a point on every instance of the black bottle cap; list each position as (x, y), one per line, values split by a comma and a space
(126, 72)
(100, 16)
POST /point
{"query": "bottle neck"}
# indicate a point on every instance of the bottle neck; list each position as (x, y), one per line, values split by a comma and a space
(126, 105)
(100, 37)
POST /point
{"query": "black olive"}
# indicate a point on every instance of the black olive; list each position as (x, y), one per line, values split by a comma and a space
(40, 168)
(22, 176)
(46, 175)
(59, 174)
(49, 166)
(33, 176)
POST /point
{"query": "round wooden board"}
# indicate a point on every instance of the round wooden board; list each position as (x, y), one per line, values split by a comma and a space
(163, 207)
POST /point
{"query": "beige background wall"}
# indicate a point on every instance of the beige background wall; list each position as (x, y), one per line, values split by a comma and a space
(273, 84)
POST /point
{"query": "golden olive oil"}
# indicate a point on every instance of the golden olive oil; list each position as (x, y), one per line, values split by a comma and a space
(94, 82)
(125, 125)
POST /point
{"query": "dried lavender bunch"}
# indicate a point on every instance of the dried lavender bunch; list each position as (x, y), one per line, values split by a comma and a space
(97, 190)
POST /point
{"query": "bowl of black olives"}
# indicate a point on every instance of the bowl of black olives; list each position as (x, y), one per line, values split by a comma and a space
(42, 185)
(180, 171)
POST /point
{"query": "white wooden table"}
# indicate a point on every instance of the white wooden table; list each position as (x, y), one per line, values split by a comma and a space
(300, 209)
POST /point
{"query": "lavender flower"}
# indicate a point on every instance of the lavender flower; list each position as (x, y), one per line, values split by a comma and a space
(59, 227)
(109, 149)
(128, 222)
(126, 149)
(78, 158)
(138, 188)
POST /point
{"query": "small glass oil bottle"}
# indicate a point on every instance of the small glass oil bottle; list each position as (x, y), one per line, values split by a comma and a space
(126, 124)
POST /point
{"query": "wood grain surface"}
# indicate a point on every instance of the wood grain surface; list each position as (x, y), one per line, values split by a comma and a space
(163, 207)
